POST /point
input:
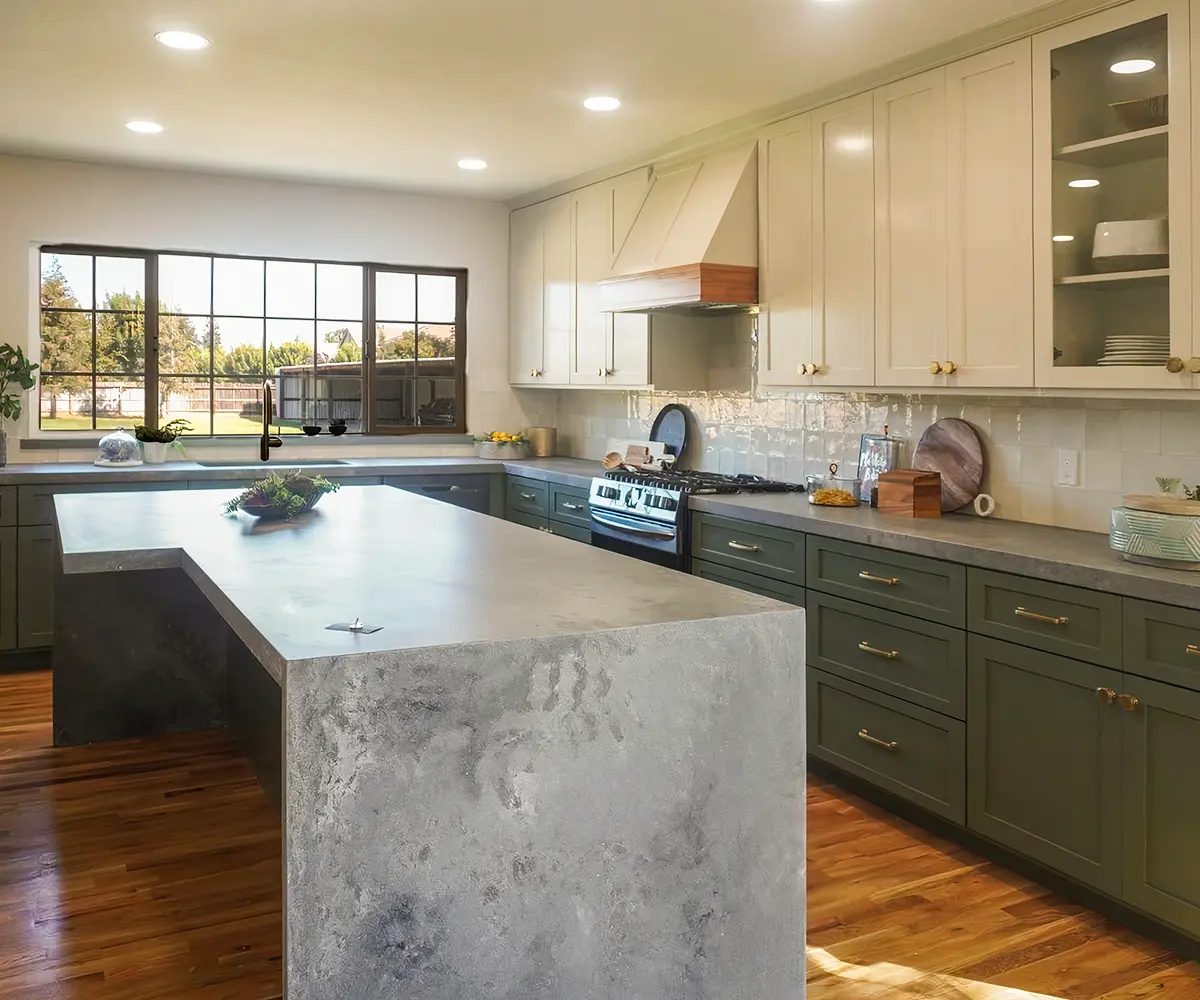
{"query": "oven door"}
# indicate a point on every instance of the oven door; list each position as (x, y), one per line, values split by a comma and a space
(650, 541)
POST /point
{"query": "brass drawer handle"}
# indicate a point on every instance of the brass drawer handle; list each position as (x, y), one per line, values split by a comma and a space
(887, 654)
(463, 489)
(572, 506)
(1129, 702)
(743, 547)
(890, 747)
(1107, 695)
(1192, 650)
(528, 496)
(890, 581)
(1022, 613)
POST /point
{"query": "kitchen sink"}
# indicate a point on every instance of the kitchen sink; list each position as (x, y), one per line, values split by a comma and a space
(237, 463)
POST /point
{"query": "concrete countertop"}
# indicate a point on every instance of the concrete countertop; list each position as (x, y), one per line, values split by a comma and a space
(431, 573)
(1079, 558)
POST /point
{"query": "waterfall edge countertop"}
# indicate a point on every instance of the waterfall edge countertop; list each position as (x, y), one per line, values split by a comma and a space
(432, 574)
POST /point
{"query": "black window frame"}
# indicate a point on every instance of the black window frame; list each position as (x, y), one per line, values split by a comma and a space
(150, 376)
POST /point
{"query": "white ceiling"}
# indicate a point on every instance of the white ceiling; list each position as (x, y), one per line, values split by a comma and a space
(394, 92)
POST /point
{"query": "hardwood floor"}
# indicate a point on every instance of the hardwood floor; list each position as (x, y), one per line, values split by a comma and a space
(150, 869)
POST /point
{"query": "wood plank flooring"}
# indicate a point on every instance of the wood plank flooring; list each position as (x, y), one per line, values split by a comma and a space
(150, 869)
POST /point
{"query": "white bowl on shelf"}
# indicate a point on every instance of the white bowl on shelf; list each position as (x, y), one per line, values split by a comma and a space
(1131, 245)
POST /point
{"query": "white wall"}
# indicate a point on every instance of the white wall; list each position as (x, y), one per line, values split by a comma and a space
(50, 201)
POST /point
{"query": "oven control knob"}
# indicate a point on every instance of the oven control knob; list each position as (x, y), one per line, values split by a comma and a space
(608, 492)
(661, 502)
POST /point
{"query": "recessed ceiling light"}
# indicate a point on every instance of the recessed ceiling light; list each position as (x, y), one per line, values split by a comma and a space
(602, 103)
(1127, 67)
(1084, 182)
(147, 128)
(1063, 239)
(182, 40)
(469, 163)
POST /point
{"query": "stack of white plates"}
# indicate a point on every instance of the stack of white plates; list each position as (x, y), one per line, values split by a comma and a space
(1137, 349)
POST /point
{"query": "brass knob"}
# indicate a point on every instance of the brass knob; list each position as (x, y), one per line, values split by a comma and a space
(609, 372)
(1194, 366)
(600, 373)
(949, 367)
(1174, 365)
(935, 368)
(801, 369)
(1129, 702)
(533, 373)
(814, 369)
(1107, 695)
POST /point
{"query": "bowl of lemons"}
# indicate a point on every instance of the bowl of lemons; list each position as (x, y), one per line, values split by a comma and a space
(502, 445)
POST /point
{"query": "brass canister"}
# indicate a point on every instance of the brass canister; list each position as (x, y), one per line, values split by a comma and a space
(543, 441)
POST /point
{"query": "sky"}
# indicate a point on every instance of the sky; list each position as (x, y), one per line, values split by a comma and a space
(187, 284)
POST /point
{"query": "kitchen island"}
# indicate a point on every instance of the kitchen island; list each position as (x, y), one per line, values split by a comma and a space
(553, 773)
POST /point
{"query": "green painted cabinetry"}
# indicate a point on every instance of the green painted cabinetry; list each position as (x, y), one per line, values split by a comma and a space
(1044, 759)
(753, 583)
(468, 492)
(550, 507)
(753, 548)
(37, 555)
(8, 585)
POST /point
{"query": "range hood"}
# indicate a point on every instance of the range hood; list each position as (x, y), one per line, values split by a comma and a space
(694, 244)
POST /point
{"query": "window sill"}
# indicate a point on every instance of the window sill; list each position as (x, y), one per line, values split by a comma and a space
(224, 440)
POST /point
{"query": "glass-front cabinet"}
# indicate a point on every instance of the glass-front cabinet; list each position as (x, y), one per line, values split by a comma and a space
(1112, 158)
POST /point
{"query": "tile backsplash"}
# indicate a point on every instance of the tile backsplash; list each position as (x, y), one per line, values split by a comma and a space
(1122, 444)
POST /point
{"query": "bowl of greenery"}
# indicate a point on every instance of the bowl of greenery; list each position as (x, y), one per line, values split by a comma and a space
(155, 440)
(281, 496)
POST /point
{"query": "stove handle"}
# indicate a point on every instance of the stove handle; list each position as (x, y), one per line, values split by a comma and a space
(619, 523)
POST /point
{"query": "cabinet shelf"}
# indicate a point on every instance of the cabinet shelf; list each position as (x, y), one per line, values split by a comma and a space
(1118, 279)
(1115, 150)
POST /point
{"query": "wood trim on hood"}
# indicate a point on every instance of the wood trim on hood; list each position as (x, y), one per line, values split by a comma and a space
(690, 284)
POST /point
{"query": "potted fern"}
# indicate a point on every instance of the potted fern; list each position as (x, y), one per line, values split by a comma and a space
(15, 370)
(156, 440)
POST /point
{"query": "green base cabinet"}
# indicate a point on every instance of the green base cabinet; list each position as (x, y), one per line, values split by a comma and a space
(1162, 802)
(37, 553)
(751, 582)
(8, 588)
(1044, 759)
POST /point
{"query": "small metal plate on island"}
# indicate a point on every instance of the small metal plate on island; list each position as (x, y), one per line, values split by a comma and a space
(355, 626)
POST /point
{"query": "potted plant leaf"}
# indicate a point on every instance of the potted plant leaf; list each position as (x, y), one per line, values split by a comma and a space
(15, 370)
(156, 440)
(281, 496)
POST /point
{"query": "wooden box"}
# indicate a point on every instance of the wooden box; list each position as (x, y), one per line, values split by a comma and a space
(910, 493)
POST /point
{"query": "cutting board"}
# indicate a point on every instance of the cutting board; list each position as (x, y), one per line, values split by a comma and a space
(952, 447)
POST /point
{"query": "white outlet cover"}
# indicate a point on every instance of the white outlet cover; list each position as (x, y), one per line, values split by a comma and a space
(1068, 467)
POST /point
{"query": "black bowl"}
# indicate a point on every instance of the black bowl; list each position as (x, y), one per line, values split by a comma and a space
(337, 430)
(312, 430)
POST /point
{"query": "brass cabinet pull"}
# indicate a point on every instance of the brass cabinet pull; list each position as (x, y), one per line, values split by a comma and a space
(890, 581)
(528, 496)
(1129, 702)
(887, 654)
(1107, 695)
(935, 368)
(1192, 650)
(572, 506)
(463, 489)
(1175, 365)
(599, 373)
(949, 367)
(1022, 613)
(1194, 366)
(743, 547)
(891, 747)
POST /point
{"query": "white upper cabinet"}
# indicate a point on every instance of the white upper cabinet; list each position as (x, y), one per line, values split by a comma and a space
(816, 237)
(989, 106)
(1112, 174)
(526, 295)
(559, 239)
(911, 256)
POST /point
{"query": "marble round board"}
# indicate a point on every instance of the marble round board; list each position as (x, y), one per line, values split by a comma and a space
(952, 448)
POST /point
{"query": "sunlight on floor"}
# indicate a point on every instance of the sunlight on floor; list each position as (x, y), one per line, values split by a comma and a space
(831, 978)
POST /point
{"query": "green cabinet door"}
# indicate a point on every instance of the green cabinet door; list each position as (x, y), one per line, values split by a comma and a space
(1044, 759)
(1162, 801)
(37, 553)
(8, 586)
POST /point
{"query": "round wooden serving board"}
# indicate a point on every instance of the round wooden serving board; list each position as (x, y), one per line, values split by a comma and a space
(1162, 505)
(951, 447)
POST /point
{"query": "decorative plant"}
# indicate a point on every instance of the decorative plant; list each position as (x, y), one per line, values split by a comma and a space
(500, 437)
(15, 369)
(282, 495)
(166, 434)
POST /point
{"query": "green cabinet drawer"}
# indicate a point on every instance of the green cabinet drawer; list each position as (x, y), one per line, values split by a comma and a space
(917, 661)
(1070, 621)
(35, 504)
(1162, 643)
(8, 506)
(912, 585)
(762, 585)
(901, 748)
(1161, 743)
(37, 560)
(1044, 759)
(570, 505)
(572, 531)
(529, 520)
(528, 497)
(754, 548)
(468, 492)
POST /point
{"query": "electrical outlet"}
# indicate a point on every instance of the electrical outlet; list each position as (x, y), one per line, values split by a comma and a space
(1068, 467)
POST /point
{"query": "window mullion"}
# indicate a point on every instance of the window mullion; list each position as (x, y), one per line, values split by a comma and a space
(151, 348)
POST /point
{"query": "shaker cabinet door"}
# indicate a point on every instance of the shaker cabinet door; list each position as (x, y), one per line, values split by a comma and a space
(37, 555)
(526, 295)
(558, 235)
(593, 209)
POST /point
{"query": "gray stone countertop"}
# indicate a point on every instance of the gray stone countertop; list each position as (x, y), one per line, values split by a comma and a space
(575, 472)
(1080, 558)
(431, 573)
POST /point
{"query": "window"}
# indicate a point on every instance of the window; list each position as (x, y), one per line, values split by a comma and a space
(138, 336)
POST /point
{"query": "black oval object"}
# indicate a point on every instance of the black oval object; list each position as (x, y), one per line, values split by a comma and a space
(670, 428)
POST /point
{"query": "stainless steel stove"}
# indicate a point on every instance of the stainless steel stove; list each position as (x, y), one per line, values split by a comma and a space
(645, 514)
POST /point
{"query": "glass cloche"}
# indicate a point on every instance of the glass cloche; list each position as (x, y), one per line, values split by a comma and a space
(119, 448)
